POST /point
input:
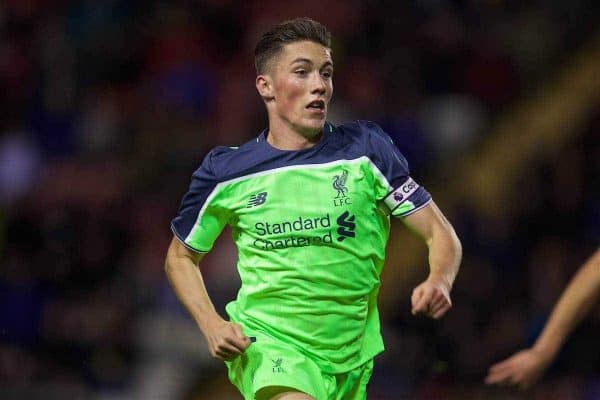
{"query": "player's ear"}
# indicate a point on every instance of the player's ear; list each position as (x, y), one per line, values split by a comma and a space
(264, 85)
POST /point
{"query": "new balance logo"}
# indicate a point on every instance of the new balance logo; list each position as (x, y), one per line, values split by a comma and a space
(347, 226)
(257, 199)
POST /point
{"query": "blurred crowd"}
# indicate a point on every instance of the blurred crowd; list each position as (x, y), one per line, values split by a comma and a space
(106, 109)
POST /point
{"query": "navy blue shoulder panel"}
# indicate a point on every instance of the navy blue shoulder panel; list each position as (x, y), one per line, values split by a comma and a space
(203, 182)
(347, 141)
(379, 148)
(258, 155)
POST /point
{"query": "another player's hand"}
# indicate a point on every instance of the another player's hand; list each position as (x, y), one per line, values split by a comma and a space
(226, 340)
(431, 298)
(523, 369)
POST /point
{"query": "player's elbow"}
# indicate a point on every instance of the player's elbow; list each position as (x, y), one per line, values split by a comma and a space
(456, 243)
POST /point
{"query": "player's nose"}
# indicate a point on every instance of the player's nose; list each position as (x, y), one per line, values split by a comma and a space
(318, 85)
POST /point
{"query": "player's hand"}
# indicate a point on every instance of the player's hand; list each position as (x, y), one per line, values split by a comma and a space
(431, 298)
(226, 340)
(523, 369)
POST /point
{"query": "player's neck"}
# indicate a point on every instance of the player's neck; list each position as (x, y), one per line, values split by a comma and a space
(284, 137)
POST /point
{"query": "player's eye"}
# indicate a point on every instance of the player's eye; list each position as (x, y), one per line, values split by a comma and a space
(300, 72)
(327, 74)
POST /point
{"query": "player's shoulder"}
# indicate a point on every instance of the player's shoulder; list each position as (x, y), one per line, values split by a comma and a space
(360, 129)
(225, 161)
(364, 132)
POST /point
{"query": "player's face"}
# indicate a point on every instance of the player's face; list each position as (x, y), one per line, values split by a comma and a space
(302, 86)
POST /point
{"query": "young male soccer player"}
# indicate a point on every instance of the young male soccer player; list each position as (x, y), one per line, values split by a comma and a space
(526, 367)
(309, 204)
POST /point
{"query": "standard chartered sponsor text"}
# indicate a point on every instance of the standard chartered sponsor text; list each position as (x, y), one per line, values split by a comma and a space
(316, 231)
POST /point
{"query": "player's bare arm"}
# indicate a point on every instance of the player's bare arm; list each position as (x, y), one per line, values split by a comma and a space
(432, 297)
(225, 339)
(526, 367)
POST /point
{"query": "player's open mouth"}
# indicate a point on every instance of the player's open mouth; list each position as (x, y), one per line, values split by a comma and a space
(317, 105)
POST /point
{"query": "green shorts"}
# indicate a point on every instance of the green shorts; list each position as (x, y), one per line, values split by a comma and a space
(269, 362)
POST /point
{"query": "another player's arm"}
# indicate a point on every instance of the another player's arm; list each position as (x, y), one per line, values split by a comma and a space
(225, 339)
(432, 297)
(525, 367)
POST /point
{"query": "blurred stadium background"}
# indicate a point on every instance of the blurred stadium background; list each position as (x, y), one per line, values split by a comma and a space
(107, 107)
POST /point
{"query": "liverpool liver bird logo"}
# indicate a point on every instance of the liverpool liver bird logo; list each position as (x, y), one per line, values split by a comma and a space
(277, 365)
(339, 184)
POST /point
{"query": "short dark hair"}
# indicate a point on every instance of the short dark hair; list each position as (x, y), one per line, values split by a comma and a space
(271, 43)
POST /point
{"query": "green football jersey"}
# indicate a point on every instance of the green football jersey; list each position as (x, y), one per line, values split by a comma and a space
(311, 228)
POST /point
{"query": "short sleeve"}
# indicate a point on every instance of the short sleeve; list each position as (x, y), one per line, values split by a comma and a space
(201, 216)
(394, 187)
